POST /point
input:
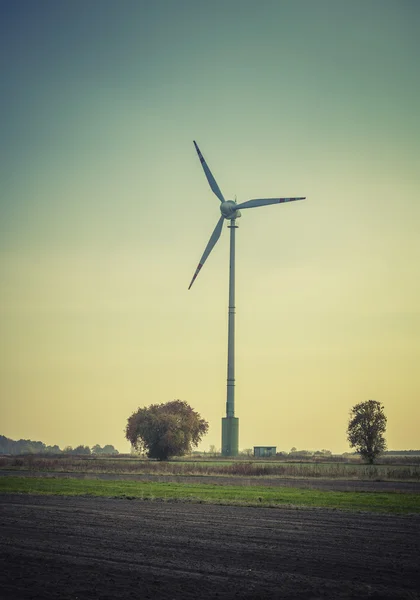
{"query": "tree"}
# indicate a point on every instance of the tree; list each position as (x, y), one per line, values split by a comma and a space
(81, 450)
(78, 450)
(365, 430)
(8, 446)
(107, 449)
(247, 452)
(164, 430)
(53, 449)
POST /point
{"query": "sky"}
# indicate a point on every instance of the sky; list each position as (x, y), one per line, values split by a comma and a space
(105, 212)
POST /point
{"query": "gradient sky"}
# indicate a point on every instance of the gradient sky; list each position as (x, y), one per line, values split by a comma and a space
(105, 212)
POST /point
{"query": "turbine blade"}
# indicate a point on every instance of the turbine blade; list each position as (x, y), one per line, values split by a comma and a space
(265, 202)
(215, 188)
(212, 241)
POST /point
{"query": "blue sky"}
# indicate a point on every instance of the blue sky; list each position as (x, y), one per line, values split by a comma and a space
(105, 212)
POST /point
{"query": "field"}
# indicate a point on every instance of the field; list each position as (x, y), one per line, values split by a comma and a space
(128, 528)
(391, 502)
(401, 470)
(57, 548)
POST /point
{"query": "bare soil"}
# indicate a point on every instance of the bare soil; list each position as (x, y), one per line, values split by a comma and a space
(56, 547)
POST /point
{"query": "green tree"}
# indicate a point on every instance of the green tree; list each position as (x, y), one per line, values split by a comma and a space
(365, 430)
(53, 449)
(109, 449)
(81, 450)
(165, 430)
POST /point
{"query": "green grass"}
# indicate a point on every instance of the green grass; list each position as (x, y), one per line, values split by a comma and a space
(390, 502)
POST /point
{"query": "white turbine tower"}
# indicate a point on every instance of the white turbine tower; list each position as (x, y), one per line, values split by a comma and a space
(230, 211)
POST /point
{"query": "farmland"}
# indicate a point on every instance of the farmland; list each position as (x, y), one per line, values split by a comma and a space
(403, 470)
(210, 493)
(57, 547)
(128, 528)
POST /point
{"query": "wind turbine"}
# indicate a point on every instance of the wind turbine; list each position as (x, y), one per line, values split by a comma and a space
(230, 211)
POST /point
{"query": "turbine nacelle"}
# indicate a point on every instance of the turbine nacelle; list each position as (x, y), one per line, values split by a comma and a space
(228, 210)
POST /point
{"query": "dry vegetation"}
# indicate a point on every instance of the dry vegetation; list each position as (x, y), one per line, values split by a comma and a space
(401, 470)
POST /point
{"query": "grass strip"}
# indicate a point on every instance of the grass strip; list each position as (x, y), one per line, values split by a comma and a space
(389, 502)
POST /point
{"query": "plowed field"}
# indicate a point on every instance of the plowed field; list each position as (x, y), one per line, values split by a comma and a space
(55, 547)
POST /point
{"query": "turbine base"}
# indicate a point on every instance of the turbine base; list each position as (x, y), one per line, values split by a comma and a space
(230, 436)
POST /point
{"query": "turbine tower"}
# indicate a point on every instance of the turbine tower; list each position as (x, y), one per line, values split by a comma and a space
(230, 211)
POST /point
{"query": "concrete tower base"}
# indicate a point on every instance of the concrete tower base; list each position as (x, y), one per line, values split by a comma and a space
(230, 436)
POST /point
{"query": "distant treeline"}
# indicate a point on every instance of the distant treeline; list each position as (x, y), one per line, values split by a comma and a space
(8, 446)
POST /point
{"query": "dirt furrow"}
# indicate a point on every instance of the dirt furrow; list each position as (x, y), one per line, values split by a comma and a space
(58, 547)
